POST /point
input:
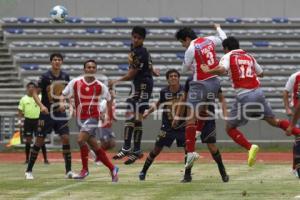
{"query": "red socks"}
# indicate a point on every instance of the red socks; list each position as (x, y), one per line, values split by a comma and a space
(190, 134)
(239, 138)
(101, 155)
(284, 124)
(84, 152)
(199, 125)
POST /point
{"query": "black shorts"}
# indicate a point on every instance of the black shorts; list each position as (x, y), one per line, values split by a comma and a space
(30, 127)
(141, 95)
(167, 138)
(58, 122)
(208, 133)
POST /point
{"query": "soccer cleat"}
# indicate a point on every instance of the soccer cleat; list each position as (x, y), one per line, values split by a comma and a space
(29, 176)
(133, 157)
(186, 179)
(190, 159)
(83, 173)
(121, 154)
(114, 174)
(224, 175)
(252, 155)
(46, 162)
(142, 176)
(70, 175)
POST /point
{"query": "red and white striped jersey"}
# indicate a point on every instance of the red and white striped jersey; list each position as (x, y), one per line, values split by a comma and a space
(243, 70)
(293, 87)
(202, 50)
(86, 96)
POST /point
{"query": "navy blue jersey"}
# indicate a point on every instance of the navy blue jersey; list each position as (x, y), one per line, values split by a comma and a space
(52, 86)
(169, 100)
(141, 61)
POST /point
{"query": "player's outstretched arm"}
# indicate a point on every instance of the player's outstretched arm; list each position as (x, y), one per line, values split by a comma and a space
(152, 108)
(219, 70)
(129, 76)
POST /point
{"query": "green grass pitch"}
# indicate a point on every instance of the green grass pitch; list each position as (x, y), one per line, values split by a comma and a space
(263, 181)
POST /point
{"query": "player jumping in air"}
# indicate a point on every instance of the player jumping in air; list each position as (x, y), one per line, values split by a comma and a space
(250, 100)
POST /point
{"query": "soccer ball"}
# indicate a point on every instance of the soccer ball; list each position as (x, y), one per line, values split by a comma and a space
(59, 14)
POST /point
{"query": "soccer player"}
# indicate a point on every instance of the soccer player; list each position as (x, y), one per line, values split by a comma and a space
(204, 87)
(29, 110)
(87, 91)
(207, 130)
(141, 72)
(105, 135)
(51, 85)
(250, 100)
(167, 100)
(292, 87)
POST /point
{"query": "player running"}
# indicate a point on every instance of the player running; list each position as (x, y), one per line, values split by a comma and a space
(87, 91)
(250, 100)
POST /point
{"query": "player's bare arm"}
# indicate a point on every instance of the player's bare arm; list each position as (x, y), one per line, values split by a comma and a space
(219, 70)
(288, 110)
(129, 76)
(37, 100)
(179, 109)
(222, 100)
(152, 108)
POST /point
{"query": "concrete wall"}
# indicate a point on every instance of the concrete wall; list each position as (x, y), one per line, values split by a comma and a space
(156, 8)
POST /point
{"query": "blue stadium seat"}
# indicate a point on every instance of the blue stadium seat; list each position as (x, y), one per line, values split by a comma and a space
(123, 67)
(261, 43)
(14, 30)
(120, 19)
(280, 19)
(94, 30)
(25, 19)
(233, 20)
(74, 20)
(30, 66)
(127, 43)
(180, 55)
(167, 19)
(67, 43)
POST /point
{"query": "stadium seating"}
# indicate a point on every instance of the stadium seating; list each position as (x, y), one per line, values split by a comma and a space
(107, 40)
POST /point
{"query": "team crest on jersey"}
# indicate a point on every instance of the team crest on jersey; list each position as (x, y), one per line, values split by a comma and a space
(87, 89)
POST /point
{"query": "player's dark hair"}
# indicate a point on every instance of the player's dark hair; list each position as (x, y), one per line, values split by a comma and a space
(139, 30)
(31, 83)
(231, 43)
(170, 71)
(185, 32)
(91, 60)
(56, 55)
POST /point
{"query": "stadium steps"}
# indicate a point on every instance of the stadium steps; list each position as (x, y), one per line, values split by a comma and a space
(158, 49)
(11, 85)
